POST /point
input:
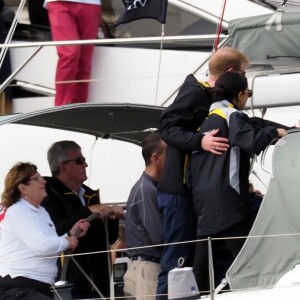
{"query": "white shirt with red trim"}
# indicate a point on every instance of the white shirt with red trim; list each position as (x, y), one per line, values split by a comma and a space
(28, 240)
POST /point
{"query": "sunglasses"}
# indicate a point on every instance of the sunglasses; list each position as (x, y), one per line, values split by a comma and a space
(78, 160)
(249, 92)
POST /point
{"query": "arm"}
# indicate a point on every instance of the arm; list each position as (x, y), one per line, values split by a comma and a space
(38, 235)
(260, 123)
(151, 216)
(250, 139)
(57, 210)
(179, 121)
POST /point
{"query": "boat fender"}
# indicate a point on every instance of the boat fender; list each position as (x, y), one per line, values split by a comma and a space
(182, 283)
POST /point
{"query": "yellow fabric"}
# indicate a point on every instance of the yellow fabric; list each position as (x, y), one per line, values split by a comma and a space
(219, 111)
(186, 161)
(62, 259)
(203, 84)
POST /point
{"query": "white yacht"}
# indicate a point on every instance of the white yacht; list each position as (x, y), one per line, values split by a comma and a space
(144, 63)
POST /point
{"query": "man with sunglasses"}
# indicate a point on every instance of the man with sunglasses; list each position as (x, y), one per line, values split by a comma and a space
(70, 200)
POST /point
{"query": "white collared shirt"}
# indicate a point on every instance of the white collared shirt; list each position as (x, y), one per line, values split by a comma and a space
(96, 2)
(80, 195)
(28, 237)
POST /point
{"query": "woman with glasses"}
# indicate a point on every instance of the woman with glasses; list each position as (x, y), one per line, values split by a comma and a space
(220, 183)
(29, 242)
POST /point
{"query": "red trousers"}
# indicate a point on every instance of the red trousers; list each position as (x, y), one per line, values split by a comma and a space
(73, 21)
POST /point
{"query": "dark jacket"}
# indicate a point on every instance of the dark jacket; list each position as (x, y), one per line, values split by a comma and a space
(220, 183)
(178, 125)
(65, 209)
(2, 4)
(38, 15)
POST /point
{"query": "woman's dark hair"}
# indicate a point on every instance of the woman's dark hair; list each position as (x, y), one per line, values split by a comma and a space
(19, 173)
(228, 86)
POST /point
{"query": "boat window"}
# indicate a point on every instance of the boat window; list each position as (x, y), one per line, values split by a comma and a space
(290, 6)
(179, 22)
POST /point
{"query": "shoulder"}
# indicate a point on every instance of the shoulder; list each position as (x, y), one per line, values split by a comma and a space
(16, 207)
(227, 109)
(17, 211)
(223, 109)
(138, 184)
(191, 95)
(55, 188)
(145, 182)
(242, 117)
(56, 192)
(53, 182)
(148, 186)
(191, 83)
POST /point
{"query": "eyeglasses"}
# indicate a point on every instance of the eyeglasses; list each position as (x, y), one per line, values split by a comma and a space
(78, 160)
(250, 93)
(37, 178)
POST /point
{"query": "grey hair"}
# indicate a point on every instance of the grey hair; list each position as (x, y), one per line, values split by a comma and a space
(58, 152)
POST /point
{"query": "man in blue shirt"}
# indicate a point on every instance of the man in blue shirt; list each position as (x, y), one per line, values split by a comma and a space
(143, 226)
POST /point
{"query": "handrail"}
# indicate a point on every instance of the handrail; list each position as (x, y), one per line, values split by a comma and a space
(11, 32)
(117, 41)
(18, 70)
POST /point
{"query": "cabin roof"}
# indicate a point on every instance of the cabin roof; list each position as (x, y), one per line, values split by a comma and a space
(125, 122)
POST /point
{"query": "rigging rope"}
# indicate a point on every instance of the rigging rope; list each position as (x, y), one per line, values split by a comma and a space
(220, 26)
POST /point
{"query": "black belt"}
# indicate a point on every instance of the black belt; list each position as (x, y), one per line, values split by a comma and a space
(145, 258)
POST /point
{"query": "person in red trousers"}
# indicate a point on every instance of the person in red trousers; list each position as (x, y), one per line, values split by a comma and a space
(73, 20)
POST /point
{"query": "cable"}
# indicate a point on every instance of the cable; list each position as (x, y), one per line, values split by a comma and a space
(220, 26)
